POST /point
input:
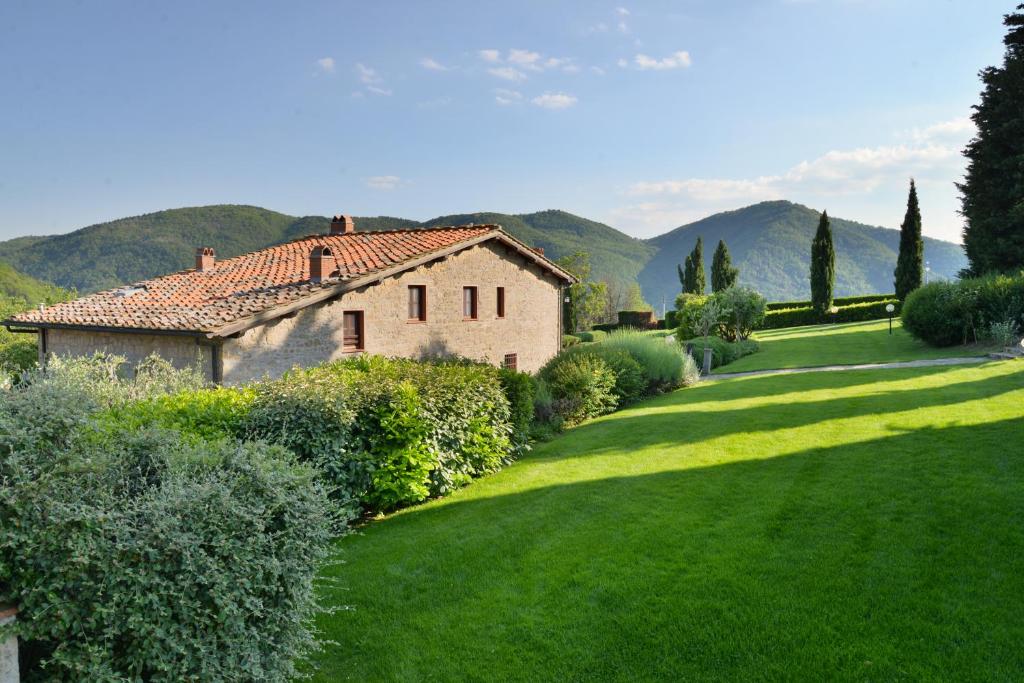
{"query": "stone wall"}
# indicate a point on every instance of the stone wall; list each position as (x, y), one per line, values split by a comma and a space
(530, 328)
(8, 647)
(181, 351)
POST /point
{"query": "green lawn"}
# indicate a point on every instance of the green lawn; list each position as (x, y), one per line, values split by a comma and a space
(847, 344)
(863, 525)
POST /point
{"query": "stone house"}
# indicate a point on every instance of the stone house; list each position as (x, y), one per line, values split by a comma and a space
(472, 290)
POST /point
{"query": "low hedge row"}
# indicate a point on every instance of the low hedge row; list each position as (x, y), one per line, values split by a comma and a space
(948, 313)
(841, 301)
(797, 317)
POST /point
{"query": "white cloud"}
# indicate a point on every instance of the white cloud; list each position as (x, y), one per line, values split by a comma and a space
(599, 27)
(326, 64)
(524, 59)
(434, 103)
(597, 70)
(622, 11)
(358, 94)
(377, 90)
(432, 64)
(551, 100)
(507, 73)
(490, 55)
(383, 182)
(866, 183)
(622, 63)
(676, 60)
(506, 97)
(366, 74)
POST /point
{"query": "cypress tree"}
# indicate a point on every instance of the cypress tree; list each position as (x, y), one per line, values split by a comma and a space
(697, 261)
(910, 263)
(823, 266)
(992, 194)
(723, 275)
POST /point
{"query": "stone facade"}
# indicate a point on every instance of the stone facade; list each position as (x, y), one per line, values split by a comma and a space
(530, 328)
(182, 351)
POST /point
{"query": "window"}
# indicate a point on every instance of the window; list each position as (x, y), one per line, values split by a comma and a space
(501, 302)
(511, 361)
(352, 323)
(469, 303)
(417, 303)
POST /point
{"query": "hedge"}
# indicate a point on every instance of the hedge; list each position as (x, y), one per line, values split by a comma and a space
(948, 313)
(722, 352)
(136, 554)
(641, 320)
(841, 301)
(797, 317)
(592, 336)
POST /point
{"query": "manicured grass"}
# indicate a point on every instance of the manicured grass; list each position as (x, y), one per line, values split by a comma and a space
(847, 344)
(864, 525)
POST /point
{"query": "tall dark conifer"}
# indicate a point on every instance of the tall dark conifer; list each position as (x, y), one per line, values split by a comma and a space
(699, 281)
(723, 275)
(910, 263)
(823, 265)
(992, 194)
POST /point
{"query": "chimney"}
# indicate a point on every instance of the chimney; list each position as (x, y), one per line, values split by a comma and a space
(343, 225)
(539, 250)
(321, 263)
(204, 258)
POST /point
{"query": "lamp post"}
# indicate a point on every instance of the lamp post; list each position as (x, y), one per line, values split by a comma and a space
(889, 308)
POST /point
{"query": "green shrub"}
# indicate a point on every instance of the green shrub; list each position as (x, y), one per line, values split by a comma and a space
(671, 320)
(570, 340)
(18, 356)
(948, 313)
(212, 413)
(661, 362)
(520, 389)
(581, 386)
(137, 555)
(592, 336)
(722, 352)
(630, 380)
(688, 307)
(839, 301)
(744, 310)
(605, 327)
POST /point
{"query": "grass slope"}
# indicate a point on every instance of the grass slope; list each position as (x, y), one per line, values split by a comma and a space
(847, 344)
(855, 525)
(770, 242)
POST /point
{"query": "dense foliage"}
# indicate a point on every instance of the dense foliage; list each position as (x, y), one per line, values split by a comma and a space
(723, 273)
(823, 266)
(949, 313)
(722, 352)
(742, 308)
(992, 193)
(910, 262)
(691, 275)
(591, 379)
(137, 554)
(838, 301)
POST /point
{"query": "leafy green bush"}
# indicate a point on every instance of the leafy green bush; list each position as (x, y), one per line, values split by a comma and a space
(138, 555)
(948, 313)
(520, 389)
(661, 362)
(671, 320)
(18, 356)
(581, 386)
(207, 414)
(570, 340)
(688, 307)
(722, 352)
(592, 336)
(743, 308)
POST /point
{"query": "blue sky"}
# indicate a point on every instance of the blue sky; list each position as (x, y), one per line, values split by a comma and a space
(642, 115)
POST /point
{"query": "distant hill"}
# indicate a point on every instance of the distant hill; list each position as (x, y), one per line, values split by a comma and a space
(130, 249)
(15, 285)
(770, 242)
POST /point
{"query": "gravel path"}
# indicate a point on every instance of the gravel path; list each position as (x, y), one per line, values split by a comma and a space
(863, 366)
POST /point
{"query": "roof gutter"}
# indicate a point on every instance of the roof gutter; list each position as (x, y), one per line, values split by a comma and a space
(18, 326)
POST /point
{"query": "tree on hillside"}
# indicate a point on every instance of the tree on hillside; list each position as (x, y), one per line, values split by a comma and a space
(910, 263)
(992, 194)
(723, 275)
(685, 273)
(587, 299)
(692, 275)
(823, 265)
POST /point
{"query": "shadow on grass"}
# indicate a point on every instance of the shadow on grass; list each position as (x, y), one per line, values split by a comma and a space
(900, 557)
(637, 428)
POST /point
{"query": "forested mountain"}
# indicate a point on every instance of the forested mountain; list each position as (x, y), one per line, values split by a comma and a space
(769, 242)
(15, 285)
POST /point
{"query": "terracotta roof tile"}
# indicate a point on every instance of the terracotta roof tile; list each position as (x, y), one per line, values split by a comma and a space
(240, 287)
